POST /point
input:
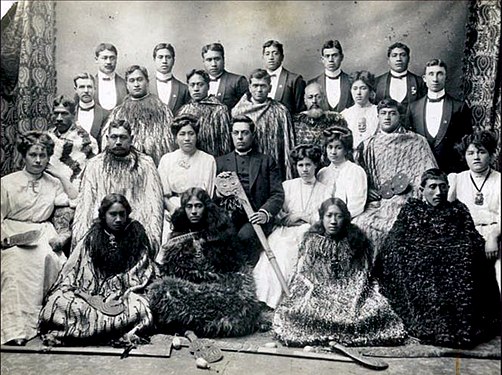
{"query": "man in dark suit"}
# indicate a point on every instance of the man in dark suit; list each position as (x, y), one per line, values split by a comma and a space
(170, 91)
(260, 178)
(398, 83)
(89, 115)
(111, 88)
(335, 84)
(440, 118)
(287, 87)
(227, 87)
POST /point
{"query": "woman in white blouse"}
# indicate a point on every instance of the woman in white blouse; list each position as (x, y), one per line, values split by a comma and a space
(302, 198)
(479, 189)
(362, 117)
(31, 248)
(184, 168)
(347, 180)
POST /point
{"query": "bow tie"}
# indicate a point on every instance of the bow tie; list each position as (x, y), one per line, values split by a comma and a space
(337, 77)
(398, 77)
(435, 100)
(213, 79)
(164, 80)
(106, 78)
(85, 109)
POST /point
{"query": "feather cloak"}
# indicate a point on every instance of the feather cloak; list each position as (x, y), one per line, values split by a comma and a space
(150, 121)
(214, 125)
(274, 130)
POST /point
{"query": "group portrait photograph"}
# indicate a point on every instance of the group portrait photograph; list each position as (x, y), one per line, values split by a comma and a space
(250, 187)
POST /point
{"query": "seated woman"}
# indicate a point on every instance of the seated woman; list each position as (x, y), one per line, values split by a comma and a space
(96, 296)
(393, 159)
(346, 179)
(332, 294)
(433, 269)
(29, 264)
(303, 196)
(202, 287)
(479, 189)
(362, 117)
(184, 168)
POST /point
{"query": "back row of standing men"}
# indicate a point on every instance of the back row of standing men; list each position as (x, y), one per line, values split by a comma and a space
(427, 109)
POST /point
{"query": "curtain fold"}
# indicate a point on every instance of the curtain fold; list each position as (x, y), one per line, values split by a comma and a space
(28, 72)
(482, 66)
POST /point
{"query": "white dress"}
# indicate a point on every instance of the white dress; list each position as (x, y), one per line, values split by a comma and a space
(27, 272)
(284, 241)
(348, 182)
(355, 114)
(486, 217)
(179, 173)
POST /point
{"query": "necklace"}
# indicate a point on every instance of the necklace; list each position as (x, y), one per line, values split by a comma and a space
(479, 199)
(184, 161)
(304, 207)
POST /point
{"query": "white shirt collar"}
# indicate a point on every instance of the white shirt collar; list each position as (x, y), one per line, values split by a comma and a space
(102, 75)
(398, 75)
(163, 76)
(240, 153)
(436, 95)
(277, 72)
(86, 105)
(334, 74)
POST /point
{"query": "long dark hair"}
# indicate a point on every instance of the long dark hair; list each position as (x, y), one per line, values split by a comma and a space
(358, 241)
(318, 227)
(109, 201)
(179, 218)
(129, 246)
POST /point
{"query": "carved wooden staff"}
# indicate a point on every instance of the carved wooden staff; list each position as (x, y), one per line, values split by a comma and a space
(227, 183)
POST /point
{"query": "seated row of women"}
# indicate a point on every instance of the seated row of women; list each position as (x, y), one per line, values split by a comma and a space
(32, 192)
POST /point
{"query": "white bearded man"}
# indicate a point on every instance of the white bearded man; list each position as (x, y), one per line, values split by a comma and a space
(274, 129)
(121, 169)
(150, 119)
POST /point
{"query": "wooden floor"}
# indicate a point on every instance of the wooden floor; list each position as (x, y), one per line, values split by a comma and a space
(105, 360)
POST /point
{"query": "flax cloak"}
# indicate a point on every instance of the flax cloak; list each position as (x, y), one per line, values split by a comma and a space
(134, 176)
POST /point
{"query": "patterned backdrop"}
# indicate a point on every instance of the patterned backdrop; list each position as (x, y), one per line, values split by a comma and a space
(28, 74)
(481, 62)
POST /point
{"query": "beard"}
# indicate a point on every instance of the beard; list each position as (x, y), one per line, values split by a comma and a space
(315, 112)
(114, 162)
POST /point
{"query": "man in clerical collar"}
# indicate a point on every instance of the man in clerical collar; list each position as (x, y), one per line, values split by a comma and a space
(73, 146)
(286, 87)
(334, 83)
(227, 87)
(170, 90)
(261, 181)
(440, 118)
(274, 129)
(111, 88)
(398, 83)
(89, 115)
(149, 118)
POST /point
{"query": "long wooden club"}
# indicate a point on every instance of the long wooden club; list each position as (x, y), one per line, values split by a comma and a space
(227, 183)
